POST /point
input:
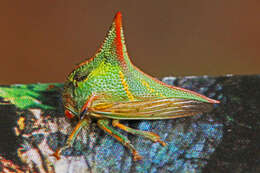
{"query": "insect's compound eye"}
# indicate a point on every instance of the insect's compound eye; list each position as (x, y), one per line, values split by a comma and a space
(69, 114)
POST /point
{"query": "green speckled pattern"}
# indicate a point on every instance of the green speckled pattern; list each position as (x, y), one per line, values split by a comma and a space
(101, 75)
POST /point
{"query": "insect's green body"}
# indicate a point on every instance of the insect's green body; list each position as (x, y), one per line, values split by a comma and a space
(111, 72)
(109, 86)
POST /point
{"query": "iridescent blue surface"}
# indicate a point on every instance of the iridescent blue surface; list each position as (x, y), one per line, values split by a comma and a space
(189, 147)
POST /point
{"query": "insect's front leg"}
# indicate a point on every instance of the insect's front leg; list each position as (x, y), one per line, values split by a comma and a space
(85, 122)
(104, 124)
(150, 135)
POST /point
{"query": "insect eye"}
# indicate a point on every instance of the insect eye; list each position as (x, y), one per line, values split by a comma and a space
(81, 76)
(69, 114)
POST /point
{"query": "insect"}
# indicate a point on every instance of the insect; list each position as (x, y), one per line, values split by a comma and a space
(109, 88)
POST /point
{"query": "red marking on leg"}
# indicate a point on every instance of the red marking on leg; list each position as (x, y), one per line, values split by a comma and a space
(89, 102)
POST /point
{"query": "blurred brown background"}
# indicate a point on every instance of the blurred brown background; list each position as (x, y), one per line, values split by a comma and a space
(41, 41)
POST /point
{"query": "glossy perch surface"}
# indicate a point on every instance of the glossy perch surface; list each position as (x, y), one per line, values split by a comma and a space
(108, 87)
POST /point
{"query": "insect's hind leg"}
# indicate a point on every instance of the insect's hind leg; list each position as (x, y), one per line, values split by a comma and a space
(150, 135)
(103, 124)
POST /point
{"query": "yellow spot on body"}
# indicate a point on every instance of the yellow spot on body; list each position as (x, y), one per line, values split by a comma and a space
(145, 83)
(20, 123)
(125, 85)
(148, 87)
(101, 70)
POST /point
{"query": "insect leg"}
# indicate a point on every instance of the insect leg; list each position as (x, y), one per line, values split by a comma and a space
(82, 123)
(150, 135)
(103, 124)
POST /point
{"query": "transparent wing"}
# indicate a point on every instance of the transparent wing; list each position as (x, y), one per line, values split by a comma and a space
(166, 108)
